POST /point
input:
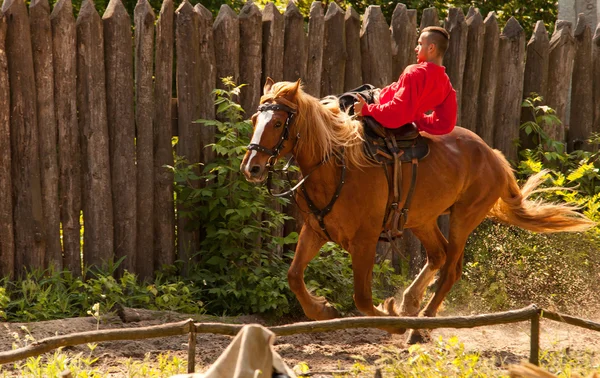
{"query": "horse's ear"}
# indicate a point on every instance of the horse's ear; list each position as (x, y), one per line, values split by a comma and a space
(291, 94)
(268, 84)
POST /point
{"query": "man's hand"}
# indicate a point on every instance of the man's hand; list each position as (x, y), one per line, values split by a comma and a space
(359, 105)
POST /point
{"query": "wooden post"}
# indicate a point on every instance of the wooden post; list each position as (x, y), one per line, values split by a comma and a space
(375, 48)
(226, 33)
(429, 18)
(487, 87)
(534, 352)
(250, 20)
(144, 118)
(472, 72)
(581, 118)
(334, 62)
(536, 75)
(69, 149)
(353, 70)
(511, 57)
(164, 207)
(7, 241)
(562, 51)
(188, 109)
(272, 44)
(404, 39)
(314, 64)
(30, 243)
(121, 130)
(596, 71)
(91, 98)
(457, 53)
(41, 41)
(295, 45)
(192, 348)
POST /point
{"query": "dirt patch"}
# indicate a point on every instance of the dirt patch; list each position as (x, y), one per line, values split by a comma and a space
(322, 351)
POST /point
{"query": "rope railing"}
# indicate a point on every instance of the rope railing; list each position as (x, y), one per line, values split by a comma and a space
(530, 313)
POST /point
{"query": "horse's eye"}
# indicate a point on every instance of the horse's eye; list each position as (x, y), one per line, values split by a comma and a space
(278, 124)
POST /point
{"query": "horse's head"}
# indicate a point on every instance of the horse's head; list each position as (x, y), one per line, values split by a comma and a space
(272, 129)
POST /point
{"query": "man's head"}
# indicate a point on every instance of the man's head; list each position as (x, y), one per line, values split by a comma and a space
(433, 43)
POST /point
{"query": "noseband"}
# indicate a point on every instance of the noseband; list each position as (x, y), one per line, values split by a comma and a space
(274, 152)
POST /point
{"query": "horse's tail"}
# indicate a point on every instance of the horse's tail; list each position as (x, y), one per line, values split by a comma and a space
(514, 207)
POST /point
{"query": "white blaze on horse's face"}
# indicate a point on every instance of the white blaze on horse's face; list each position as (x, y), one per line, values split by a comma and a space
(252, 171)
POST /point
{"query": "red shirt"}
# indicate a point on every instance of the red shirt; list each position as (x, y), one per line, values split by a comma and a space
(421, 87)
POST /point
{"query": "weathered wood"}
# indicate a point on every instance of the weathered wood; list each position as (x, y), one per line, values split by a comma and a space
(41, 43)
(64, 49)
(273, 28)
(295, 45)
(7, 241)
(192, 350)
(429, 18)
(536, 75)
(404, 39)
(164, 207)
(572, 320)
(121, 130)
(511, 57)
(144, 120)
(98, 234)
(353, 69)
(581, 118)
(471, 12)
(28, 213)
(226, 32)
(334, 62)
(596, 70)
(187, 41)
(457, 54)
(250, 20)
(562, 51)
(472, 72)
(534, 347)
(314, 63)
(375, 48)
(487, 85)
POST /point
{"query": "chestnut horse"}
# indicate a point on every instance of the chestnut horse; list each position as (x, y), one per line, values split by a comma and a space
(461, 176)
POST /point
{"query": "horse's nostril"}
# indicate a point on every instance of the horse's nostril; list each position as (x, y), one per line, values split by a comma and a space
(255, 169)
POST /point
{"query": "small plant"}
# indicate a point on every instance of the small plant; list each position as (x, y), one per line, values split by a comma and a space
(95, 313)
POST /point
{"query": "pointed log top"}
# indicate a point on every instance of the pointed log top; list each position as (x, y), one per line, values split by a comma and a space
(351, 13)
(581, 25)
(185, 8)
(16, 5)
(144, 6)
(563, 24)
(596, 38)
(166, 6)
(539, 33)
(316, 6)
(429, 18)
(62, 7)
(475, 20)
(115, 9)
(43, 4)
(87, 10)
(270, 11)
(374, 12)
(249, 10)
(400, 8)
(491, 18)
(225, 13)
(292, 10)
(400, 13)
(456, 16)
(203, 12)
(333, 10)
(471, 12)
(512, 29)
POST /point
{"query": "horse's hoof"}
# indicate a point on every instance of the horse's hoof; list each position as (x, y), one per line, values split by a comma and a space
(418, 336)
(389, 308)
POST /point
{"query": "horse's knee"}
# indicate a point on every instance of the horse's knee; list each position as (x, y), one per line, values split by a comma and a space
(436, 261)
(364, 304)
(295, 278)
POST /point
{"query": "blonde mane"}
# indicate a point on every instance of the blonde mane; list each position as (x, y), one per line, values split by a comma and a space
(322, 125)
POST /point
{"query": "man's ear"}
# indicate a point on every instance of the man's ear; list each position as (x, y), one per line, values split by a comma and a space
(268, 84)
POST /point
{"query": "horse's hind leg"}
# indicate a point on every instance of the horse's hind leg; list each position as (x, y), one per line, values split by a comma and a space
(309, 244)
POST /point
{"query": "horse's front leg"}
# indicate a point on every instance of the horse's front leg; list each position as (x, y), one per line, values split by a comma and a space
(309, 244)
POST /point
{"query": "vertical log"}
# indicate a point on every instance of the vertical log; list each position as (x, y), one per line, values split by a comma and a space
(7, 241)
(295, 50)
(334, 62)
(41, 41)
(314, 64)
(472, 72)
(404, 39)
(188, 111)
(250, 20)
(596, 70)
(272, 45)
(562, 51)
(164, 208)
(536, 75)
(511, 57)
(353, 71)
(581, 118)
(429, 18)
(28, 214)
(91, 97)
(487, 86)
(144, 120)
(226, 32)
(457, 54)
(375, 48)
(534, 345)
(121, 130)
(64, 49)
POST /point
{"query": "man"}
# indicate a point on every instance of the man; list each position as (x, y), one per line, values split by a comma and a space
(422, 87)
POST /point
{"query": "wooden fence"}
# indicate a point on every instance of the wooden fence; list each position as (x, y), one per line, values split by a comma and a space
(531, 313)
(86, 125)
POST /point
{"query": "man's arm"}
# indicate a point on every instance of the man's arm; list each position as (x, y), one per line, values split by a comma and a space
(443, 118)
(400, 110)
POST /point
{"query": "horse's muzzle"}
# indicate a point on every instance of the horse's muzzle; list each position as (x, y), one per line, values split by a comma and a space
(254, 172)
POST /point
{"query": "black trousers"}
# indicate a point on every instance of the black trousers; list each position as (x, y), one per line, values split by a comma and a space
(347, 100)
